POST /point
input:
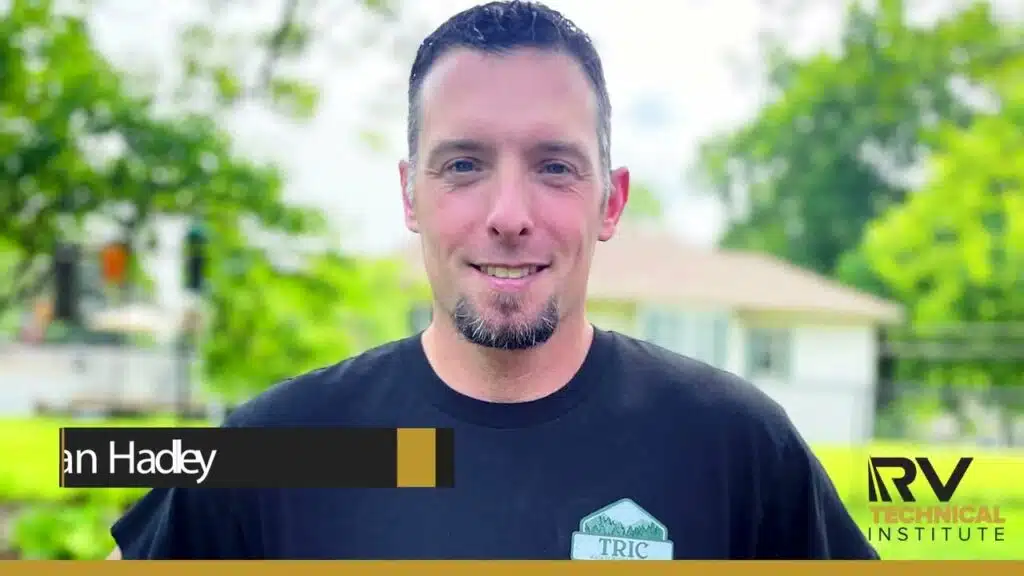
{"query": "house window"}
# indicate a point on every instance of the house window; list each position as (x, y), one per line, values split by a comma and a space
(419, 317)
(768, 353)
(664, 328)
(702, 336)
(708, 337)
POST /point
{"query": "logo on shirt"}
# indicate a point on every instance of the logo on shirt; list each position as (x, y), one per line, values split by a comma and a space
(621, 531)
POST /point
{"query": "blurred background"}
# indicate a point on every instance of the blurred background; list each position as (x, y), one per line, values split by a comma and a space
(200, 198)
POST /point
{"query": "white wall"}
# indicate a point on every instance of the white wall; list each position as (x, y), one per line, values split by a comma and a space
(57, 375)
(830, 392)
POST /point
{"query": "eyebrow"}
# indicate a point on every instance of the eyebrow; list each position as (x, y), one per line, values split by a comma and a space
(446, 148)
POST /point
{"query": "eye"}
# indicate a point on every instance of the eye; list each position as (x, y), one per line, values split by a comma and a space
(556, 168)
(461, 166)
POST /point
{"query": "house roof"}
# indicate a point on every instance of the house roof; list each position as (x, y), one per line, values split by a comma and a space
(642, 265)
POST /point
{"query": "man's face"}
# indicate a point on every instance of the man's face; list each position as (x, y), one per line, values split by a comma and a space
(508, 192)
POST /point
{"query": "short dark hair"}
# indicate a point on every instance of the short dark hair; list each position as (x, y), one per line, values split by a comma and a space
(502, 26)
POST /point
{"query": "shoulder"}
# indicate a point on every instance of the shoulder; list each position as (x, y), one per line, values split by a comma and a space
(717, 401)
(326, 396)
(694, 400)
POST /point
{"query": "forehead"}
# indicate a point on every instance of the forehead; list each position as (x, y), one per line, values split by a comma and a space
(523, 94)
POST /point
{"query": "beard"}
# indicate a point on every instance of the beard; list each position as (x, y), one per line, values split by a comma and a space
(510, 334)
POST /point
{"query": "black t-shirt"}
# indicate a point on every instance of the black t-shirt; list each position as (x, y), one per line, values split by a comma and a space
(645, 454)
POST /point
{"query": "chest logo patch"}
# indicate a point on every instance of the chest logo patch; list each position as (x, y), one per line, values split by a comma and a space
(621, 531)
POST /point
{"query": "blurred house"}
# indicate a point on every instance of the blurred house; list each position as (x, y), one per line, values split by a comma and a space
(807, 341)
(123, 358)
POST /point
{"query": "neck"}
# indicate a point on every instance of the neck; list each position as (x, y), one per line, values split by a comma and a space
(507, 376)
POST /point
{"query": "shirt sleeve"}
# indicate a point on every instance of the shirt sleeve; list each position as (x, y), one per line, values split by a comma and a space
(180, 524)
(804, 517)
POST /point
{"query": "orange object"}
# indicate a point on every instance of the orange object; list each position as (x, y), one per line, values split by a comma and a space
(43, 311)
(114, 262)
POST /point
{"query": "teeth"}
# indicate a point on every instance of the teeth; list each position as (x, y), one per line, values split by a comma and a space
(503, 272)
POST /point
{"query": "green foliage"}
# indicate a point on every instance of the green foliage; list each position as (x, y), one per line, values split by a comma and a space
(273, 321)
(821, 177)
(269, 320)
(954, 251)
(817, 163)
(955, 248)
(56, 91)
(82, 148)
(68, 99)
(52, 532)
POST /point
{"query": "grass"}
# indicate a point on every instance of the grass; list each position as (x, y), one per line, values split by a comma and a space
(29, 471)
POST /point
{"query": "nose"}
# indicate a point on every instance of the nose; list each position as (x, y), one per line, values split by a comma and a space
(509, 216)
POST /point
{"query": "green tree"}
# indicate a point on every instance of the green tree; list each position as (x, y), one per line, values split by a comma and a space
(954, 251)
(833, 148)
(823, 157)
(81, 148)
(274, 319)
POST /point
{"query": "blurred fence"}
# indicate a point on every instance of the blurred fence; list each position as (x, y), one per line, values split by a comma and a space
(957, 382)
(837, 413)
(951, 413)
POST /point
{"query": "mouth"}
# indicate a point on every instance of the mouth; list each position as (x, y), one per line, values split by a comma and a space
(509, 272)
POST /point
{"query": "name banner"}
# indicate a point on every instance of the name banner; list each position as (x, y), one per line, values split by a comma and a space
(316, 457)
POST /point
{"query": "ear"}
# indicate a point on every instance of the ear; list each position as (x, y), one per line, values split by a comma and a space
(405, 175)
(618, 195)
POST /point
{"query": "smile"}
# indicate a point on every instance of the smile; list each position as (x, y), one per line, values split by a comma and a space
(509, 272)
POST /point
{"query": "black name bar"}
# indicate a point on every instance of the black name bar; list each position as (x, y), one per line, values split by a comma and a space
(316, 457)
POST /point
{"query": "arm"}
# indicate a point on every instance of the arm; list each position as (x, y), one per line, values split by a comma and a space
(804, 518)
(182, 524)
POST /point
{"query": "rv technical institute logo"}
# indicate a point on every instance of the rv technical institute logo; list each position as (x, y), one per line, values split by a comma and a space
(621, 531)
(911, 521)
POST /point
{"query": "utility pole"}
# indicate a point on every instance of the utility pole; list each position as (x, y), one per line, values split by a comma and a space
(67, 269)
(195, 261)
(67, 289)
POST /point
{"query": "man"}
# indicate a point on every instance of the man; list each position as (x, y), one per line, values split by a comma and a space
(571, 442)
